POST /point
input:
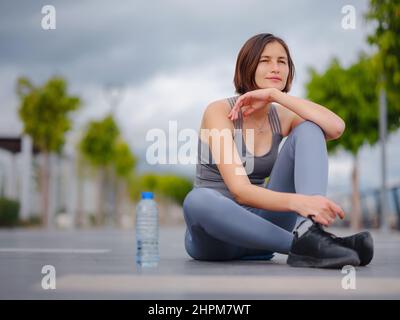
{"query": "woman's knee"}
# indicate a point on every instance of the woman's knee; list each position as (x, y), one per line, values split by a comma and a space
(309, 128)
(195, 198)
(198, 201)
(309, 132)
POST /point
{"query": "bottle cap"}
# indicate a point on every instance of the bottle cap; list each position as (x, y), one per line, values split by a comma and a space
(147, 195)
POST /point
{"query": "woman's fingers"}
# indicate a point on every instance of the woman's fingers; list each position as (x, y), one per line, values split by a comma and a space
(338, 210)
(330, 221)
(242, 99)
(334, 210)
(328, 214)
(322, 220)
(331, 213)
(234, 113)
(326, 211)
(245, 101)
(248, 111)
(231, 114)
(318, 218)
(237, 105)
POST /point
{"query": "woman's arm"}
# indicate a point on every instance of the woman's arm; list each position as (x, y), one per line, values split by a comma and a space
(234, 174)
(226, 156)
(322, 209)
(330, 123)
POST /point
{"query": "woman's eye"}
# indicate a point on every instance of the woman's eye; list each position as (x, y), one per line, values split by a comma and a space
(268, 61)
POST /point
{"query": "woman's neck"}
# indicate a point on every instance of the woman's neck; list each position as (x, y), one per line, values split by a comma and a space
(261, 113)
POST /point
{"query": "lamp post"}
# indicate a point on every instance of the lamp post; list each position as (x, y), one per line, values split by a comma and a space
(113, 94)
(384, 226)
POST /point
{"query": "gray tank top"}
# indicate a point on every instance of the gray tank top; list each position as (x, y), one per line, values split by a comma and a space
(207, 173)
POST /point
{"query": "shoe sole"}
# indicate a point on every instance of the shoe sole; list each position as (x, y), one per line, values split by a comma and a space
(311, 262)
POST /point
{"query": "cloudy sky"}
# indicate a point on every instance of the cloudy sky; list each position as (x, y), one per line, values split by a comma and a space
(171, 58)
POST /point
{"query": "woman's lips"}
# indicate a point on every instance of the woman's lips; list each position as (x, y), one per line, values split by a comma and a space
(274, 79)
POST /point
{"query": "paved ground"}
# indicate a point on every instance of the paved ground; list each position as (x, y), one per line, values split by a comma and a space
(100, 264)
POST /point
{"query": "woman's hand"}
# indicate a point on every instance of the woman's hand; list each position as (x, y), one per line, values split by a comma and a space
(251, 101)
(319, 208)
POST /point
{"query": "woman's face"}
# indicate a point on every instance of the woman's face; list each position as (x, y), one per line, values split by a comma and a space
(273, 68)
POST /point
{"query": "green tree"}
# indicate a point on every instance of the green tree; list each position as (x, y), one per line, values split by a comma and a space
(44, 111)
(170, 186)
(124, 160)
(386, 14)
(174, 187)
(97, 147)
(144, 182)
(98, 143)
(385, 37)
(103, 147)
(352, 93)
(124, 164)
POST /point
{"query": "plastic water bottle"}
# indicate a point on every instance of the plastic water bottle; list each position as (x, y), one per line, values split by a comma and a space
(147, 254)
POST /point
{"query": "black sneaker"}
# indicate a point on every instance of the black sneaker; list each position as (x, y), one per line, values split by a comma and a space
(317, 249)
(361, 242)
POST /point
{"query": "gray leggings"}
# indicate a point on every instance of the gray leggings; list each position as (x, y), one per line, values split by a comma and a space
(219, 228)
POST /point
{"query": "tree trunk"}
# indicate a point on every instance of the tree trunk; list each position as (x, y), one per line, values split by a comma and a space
(99, 217)
(355, 218)
(112, 186)
(119, 205)
(45, 177)
(80, 218)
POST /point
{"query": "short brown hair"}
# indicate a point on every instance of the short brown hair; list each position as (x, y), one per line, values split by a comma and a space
(247, 62)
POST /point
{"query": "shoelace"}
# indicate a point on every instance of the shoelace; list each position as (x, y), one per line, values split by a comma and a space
(321, 228)
(326, 232)
(326, 236)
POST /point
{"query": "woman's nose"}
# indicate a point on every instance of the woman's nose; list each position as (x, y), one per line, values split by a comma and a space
(275, 67)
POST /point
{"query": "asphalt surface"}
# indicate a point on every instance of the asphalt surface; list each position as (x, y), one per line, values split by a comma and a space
(100, 264)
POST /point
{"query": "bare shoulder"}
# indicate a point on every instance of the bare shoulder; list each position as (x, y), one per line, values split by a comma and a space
(285, 118)
(216, 112)
(215, 116)
(218, 107)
